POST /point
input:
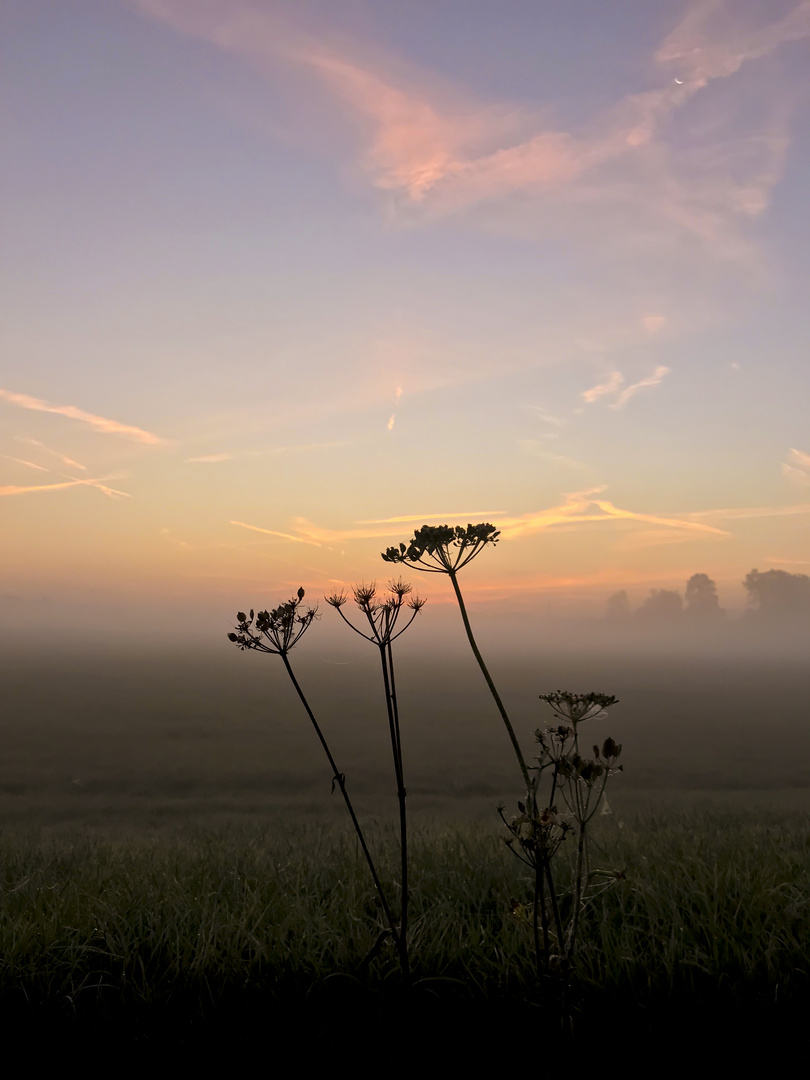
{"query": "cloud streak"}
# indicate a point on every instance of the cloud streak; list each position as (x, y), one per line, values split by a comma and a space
(437, 153)
(97, 423)
(797, 468)
(580, 509)
(628, 392)
(460, 515)
(741, 513)
(113, 493)
(273, 532)
(609, 386)
(615, 380)
(29, 464)
(65, 460)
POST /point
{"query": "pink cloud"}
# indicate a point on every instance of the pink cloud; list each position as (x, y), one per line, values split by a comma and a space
(437, 151)
(611, 384)
(652, 380)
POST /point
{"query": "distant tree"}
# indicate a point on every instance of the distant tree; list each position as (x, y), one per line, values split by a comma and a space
(776, 594)
(618, 606)
(701, 598)
(662, 605)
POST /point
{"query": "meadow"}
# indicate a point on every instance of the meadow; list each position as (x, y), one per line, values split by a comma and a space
(176, 875)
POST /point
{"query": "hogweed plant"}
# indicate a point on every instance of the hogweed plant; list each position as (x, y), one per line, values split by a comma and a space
(445, 549)
(537, 835)
(382, 628)
(276, 632)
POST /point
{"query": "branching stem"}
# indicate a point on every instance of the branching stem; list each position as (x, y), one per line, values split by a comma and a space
(485, 672)
(340, 780)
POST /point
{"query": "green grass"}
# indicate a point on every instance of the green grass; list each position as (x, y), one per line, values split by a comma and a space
(191, 938)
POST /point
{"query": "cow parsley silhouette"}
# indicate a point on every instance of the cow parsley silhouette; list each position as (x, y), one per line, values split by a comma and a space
(276, 632)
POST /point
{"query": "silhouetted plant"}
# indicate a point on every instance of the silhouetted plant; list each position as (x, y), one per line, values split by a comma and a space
(537, 835)
(444, 549)
(276, 632)
(381, 621)
(538, 832)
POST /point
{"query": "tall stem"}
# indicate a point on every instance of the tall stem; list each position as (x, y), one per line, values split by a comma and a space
(555, 909)
(577, 894)
(493, 690)
(339, 779)
(387, 661)
(540, 904)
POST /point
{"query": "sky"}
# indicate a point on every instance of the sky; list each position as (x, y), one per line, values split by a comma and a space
(283, 282)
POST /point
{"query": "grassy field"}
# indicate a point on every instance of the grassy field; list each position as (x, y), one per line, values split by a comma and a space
(177, 879)
(226, 938)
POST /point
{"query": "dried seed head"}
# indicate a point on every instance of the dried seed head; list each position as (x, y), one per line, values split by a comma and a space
(443, 548)
(577, 707)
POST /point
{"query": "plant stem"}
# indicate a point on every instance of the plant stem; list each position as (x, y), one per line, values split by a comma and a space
(387, 660)
(540, 901)
(555, 909)
(339, 779)
(577, 895)
(495, 694)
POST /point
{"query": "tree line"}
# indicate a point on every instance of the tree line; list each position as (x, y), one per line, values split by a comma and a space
(773, 595)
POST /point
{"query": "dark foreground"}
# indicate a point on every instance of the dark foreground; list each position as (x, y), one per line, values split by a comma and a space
(216, 946)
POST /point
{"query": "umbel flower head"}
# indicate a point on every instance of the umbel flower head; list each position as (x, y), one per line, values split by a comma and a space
(573, 708)
(381, 615)
(274, 631)
(443, 549)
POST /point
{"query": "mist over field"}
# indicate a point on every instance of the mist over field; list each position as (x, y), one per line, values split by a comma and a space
(173, 732)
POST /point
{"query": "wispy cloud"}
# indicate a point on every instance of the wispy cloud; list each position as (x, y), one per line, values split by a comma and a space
(547, 417)
(797, 467)
(393, 416)
(65, 460)
(98, 423)
(273, 532)
(113, 493)
(629, 391)
(436, 151)
(580, 509)
(323, 536)
(613, 382)
(740, 513)
(710, 43)
(456, 515)
(609, 386)
(300, 448)
(22, 461)
(17, 489)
